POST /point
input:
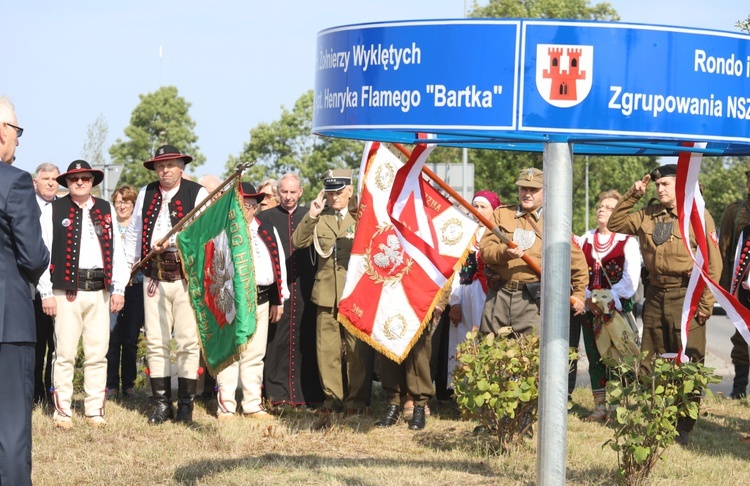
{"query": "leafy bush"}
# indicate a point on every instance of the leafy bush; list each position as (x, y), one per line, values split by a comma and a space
(648, 409)
(497, 383)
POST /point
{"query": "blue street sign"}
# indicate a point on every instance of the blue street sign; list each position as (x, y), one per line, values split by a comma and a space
(402, 75)
(612, 88)
(619, 79)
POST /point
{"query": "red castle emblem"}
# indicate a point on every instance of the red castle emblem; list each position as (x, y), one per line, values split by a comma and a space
(563, 74)
(564, 82)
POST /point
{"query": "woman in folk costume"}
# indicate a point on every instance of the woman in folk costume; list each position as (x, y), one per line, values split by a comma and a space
(469, 289)
(614, 263)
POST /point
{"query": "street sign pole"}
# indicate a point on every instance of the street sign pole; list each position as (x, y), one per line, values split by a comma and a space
(553, 365)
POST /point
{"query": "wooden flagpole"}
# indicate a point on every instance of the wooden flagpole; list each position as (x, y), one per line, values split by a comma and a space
(486, 222)
(237, 173)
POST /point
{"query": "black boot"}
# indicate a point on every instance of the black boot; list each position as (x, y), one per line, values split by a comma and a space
(161, 393)
(418, 419)
(390, 417)
(186, 389)
(739, 387)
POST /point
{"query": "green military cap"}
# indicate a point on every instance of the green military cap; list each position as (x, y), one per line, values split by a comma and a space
(530, 177)
(336, 179)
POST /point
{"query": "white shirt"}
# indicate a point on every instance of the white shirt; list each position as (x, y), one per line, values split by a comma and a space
(631, 271)
(162, 226)
(90, 254)
(263, 263)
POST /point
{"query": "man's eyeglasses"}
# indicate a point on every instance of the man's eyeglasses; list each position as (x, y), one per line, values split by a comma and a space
(79, 178)
(123, 203)
(19, 130)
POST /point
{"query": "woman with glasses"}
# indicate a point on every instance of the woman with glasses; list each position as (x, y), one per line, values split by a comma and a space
(271, 200)
(125, 326)
(614, 263)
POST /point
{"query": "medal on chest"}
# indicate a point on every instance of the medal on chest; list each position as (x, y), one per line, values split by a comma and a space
(662, 232)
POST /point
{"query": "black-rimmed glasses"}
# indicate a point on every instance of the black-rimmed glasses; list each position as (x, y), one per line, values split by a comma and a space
(19, 130)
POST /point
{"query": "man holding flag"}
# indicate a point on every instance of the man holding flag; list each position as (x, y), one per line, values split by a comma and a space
(410, 241)
(514, 287)
(160, 206)
(669, 266)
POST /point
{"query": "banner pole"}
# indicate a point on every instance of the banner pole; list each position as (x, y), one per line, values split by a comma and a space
(237, 173)
(486, 222)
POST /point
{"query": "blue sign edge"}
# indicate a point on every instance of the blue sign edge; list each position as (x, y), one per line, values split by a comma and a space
(533, 138)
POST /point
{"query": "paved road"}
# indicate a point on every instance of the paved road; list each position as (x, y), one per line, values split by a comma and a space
(718, 348)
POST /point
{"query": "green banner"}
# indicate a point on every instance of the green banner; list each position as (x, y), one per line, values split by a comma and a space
(217, 258)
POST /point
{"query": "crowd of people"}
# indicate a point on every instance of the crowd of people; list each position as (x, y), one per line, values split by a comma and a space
(79, 253)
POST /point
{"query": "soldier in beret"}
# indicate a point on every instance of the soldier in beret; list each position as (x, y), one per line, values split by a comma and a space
(669, 266)
(331, 232)
(160, 206)
(86, 261)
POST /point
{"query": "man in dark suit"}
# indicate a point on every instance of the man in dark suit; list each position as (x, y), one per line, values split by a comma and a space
(45, 185)
(23, 259)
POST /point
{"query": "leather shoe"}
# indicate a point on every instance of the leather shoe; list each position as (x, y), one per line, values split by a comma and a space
(390, 417)
(417, 421)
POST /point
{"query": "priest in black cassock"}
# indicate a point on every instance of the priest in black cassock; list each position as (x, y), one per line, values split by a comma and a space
(291, 365)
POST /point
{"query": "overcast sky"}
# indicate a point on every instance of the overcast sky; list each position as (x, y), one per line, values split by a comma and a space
(236, 61)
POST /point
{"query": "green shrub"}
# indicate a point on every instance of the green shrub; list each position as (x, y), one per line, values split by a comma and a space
(648, 409)
(497, 383)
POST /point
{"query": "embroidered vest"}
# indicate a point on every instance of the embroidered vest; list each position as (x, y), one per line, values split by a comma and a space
(740, 272)
(267, 235)
(182, 203)
(67, 221)
(613, 264)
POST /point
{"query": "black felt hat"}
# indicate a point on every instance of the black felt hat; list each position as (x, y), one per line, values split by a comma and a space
(80, 166)
(167, 152)
(248, 190)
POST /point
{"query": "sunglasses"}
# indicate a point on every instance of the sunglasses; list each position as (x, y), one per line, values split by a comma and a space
(79, 178)
(19, 130)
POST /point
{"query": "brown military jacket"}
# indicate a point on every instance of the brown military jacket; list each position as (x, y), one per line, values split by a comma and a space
(736, 216)
(669, 264)
(492, 250)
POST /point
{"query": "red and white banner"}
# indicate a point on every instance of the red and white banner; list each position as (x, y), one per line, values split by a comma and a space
(409, 242)
(691, 213)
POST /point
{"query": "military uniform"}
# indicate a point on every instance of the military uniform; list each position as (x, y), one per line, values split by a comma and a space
(411, 377)
(669, 266)
(332, 235)
(513, 293)
(736, 216)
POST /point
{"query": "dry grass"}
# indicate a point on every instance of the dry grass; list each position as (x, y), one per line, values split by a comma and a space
(353, 451)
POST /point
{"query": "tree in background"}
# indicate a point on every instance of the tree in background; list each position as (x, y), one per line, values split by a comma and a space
(288, 145)
(546, 9)
(744, 24)
(160, 118)
(498, 170)
(96, 141)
